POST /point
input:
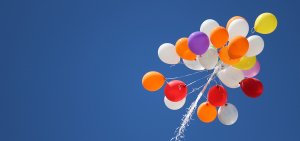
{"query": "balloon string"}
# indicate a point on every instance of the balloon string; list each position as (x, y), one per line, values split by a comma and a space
(220, 82)
(205, 97)
(190, 74)
(252, 31)
(195, 89)
(198, 80)
(188, 116)
(216, 82)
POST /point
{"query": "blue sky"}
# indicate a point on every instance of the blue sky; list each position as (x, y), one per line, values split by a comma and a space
(71, 70)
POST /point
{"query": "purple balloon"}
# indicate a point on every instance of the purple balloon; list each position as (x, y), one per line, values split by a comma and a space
(198, 42)
(253, 71)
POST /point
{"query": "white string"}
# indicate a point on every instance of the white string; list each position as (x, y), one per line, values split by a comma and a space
(205, 97)
(198, 80)
(195, 89)
(188, 116)
(190, 74)
(218, 80)
(252, 30)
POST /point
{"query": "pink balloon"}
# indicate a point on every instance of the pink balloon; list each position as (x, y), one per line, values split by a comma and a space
(253, 71)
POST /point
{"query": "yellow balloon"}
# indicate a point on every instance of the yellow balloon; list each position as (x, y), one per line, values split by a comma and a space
(265, 23)
(246, 63)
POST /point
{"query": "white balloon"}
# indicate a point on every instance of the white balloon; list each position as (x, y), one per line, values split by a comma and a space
(228, 114)
(209, 59)
(193, 65)
(238, 27)
(174, 105)
(256, 45)
(208, 25)
(167, 54)
(231, 77)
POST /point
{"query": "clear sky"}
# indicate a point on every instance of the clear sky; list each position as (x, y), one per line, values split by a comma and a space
(71, 70)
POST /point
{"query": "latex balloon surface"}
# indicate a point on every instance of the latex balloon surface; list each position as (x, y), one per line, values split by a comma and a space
(224, 57)
(176, 90)
(219, 37)
(174, 105)
(231, 77)
(217, 95)
(232, 19)
(253, 71)
(265, 23)
(193, 65)
(153, 81)
(256, 45)
(252, 87)
(167, 54)
(228, 114)
(209, 59)
(183, 49)
(238, 47)
(208, 25)
(198, 42)
(246, 63)
(207, 112)
(238, 27)
(201, 50)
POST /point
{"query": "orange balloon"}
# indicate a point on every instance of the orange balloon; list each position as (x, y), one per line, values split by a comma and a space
(183, 49)
(219, 37)
(224, 57)
(232, 19)
(207, 112)
(238, 47)
(153, 81)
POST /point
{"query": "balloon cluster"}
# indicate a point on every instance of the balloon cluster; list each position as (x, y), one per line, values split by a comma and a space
(214, 46)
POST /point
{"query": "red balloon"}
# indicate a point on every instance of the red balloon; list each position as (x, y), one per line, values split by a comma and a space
(217, 95)
(175, 90)
(252, 87)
